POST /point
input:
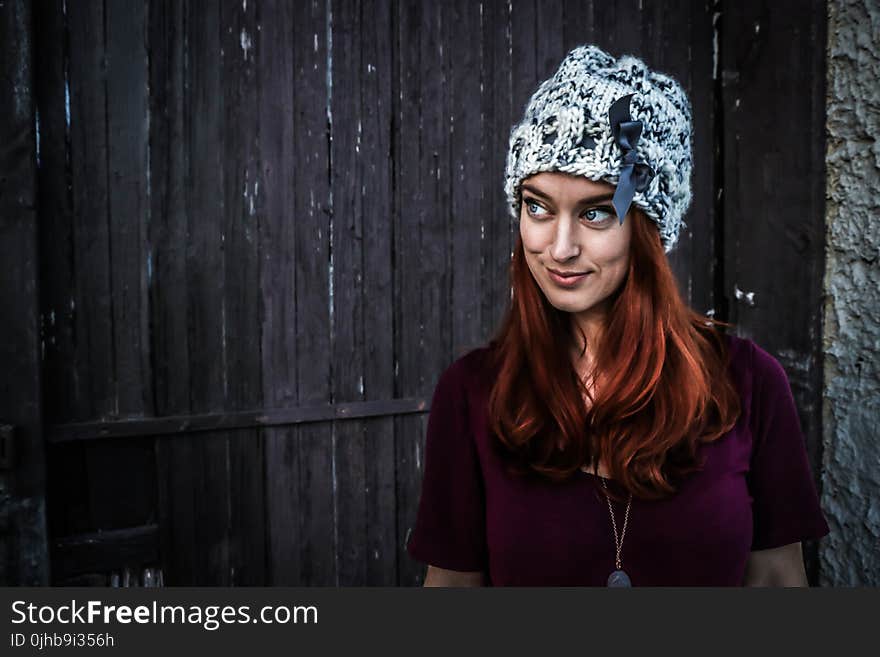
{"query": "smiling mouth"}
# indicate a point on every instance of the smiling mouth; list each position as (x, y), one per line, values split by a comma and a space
(571, 275)
(568, 280)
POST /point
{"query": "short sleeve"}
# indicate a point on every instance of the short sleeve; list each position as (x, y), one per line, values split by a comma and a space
(785, 503)
(450, 529)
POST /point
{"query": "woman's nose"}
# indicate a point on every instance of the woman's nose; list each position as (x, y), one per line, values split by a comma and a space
(564, 246)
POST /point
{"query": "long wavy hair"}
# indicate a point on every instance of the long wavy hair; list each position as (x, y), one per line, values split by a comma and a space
(662, 383)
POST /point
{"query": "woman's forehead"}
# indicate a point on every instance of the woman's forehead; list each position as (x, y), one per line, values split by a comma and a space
(561, 185)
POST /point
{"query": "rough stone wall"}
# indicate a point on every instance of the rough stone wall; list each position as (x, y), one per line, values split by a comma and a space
(850, 555)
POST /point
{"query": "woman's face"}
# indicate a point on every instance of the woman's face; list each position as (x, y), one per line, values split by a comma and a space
(567, 223)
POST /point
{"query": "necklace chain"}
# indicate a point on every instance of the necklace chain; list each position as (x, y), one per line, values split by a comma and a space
(618, 543)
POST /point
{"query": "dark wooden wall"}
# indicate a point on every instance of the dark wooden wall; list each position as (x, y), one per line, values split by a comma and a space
(23, 544)
(266, 227)
(773, 191)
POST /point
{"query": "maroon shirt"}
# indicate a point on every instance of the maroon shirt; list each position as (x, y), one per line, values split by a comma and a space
(754, 492)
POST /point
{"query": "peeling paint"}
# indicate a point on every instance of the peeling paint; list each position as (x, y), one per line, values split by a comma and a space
(329, 113)
(740, 294)
(37, 133)
(249, 197)
(223, 343)
(849, 556)
(67, 103)
(709, 313)
(715, 46)
(335, 500)
(246, 43)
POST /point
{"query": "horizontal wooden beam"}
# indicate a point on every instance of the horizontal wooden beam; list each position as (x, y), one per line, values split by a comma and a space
(179, 424)
(104, 551)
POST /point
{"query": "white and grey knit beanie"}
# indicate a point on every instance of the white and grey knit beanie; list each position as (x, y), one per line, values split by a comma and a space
(614, 120)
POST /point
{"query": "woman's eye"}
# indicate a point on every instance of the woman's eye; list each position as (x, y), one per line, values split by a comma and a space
(603, 213)
(592, 215)
(529, 205)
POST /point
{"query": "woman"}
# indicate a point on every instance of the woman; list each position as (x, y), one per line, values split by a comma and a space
(608, 434)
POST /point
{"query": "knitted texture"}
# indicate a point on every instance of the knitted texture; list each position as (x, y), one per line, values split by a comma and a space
(566, 128)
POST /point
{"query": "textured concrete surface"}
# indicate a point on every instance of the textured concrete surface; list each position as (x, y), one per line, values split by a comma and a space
(850, 555)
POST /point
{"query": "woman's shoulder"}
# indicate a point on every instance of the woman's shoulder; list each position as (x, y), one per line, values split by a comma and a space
(471, 368)
(748, 354)
(755, 369)
(472, 363)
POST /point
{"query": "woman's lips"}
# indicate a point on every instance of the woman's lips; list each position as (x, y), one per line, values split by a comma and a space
(567, 281)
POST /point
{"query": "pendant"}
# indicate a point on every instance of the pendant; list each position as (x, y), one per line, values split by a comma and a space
(619, 578)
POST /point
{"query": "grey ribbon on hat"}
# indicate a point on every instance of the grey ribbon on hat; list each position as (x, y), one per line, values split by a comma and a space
(634, 175)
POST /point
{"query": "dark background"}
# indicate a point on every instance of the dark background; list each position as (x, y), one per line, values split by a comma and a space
(241, 240)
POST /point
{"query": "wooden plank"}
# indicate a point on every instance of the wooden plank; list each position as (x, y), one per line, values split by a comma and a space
(55, 211)
(283, 506)
(618, 27)
(94, 394)
(127, 87)
(167, 236)
(184, 424)
(23, 504)
(277, 286)
(677, 41)
(119, 475)
(549, 48)
(435, 235)
(376, 112)
(347, 263)
(207, 130)
(176, 459)
(578, 23)
(466, 185)
(169, 222)
(773, 65)
(451, 229)
(411, 184)
(95, 358)
(66, 476)
(523, 63)
(121, 493)
(499, 231)
(96, 552)
(313, 206)
(245, 460)
(699, 263)
(65, 470)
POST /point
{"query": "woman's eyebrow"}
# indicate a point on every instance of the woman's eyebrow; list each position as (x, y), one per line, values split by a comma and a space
(590, 199)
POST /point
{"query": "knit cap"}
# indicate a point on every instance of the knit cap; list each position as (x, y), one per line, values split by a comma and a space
(613, 120)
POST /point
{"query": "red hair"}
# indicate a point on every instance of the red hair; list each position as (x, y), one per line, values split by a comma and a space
(661, 371)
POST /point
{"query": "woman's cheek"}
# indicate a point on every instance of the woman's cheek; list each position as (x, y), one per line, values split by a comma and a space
(535, 238)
